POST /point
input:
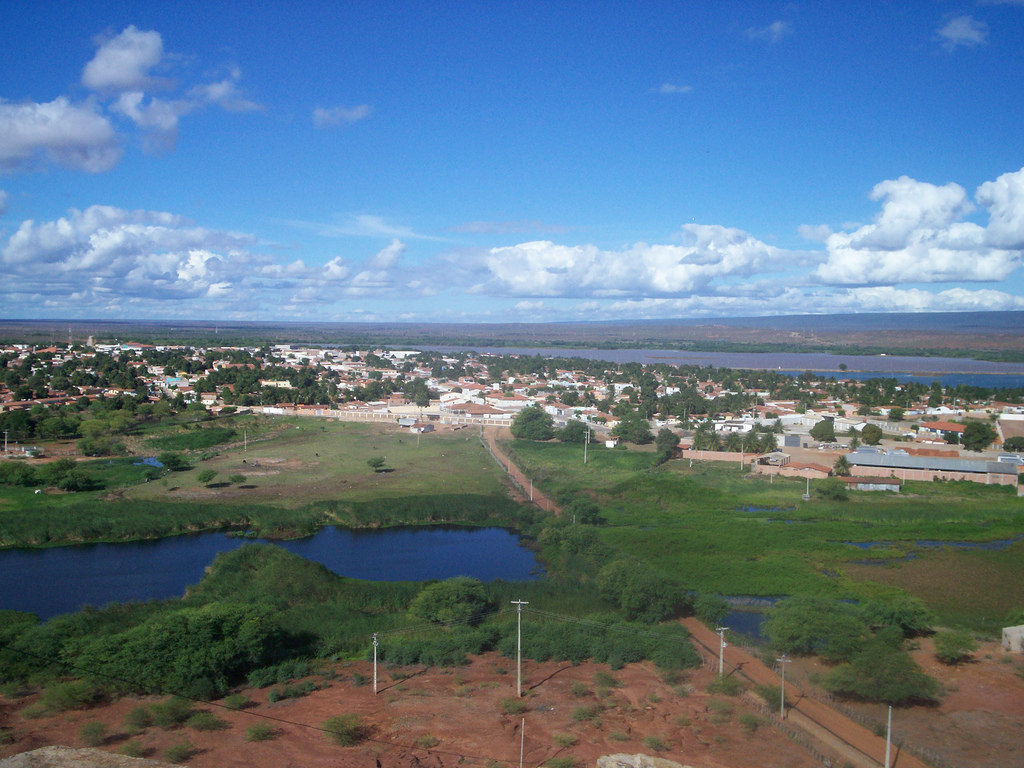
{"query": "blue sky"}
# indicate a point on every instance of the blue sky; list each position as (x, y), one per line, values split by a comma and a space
(509, 162)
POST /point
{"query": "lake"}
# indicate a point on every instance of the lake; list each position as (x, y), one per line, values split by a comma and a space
(949, 371)
(59, 580)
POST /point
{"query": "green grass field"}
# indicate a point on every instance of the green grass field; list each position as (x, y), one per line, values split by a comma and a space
(717, 529)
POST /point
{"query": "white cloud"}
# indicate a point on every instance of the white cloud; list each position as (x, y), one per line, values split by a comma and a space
(919, 236)
(543, 268)
(73, 136)
(963, 30)
(773, 33)
(506, 227)
(4, 201)
(226, 94)
(815, 233)
(363, 225)
(158, 118)
(335, 116)
(673, 88)
(389, 256)
(122, 63)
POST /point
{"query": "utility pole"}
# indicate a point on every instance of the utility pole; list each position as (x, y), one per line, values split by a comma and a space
(721, 649)
(531, 489)
(522, 741)
(585, 444)
(519, 645)
(5, 441)
(888, 737)
(245, 439)
(374, 663)
(782, 699)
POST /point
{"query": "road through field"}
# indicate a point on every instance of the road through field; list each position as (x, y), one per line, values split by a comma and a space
(856, 742)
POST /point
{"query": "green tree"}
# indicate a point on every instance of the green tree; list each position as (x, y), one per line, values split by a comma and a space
(896, 414)
(575, 431)
(871, 434)
(666, 440)
(824, 431)
(533, 423)
(639, 592)
(842, 467)
(206, 476)
(1014, 445)
(815, 625)
(954, 647)
(173, 461)
(977, 436)
(453, 601)
(907, 614)
(633, 428)
(832, 488)
(376, 463)
(883, 673)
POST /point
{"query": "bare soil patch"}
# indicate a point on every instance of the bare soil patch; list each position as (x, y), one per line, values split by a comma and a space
(458, 713)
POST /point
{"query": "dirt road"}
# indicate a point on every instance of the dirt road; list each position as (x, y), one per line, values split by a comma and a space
(857, 743)
(490, 437)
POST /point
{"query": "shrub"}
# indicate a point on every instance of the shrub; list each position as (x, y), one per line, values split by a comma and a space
(579, 690)
(564, 740)
(236, 479)
(260, 732)
(206, 721)
(358, 680)
(426, 741)
(93, 734)
(653, 742)
(719, 707)
(749, 722)
(345, 730)
(954, 647)
(807, 625)
(179, 753)
(618, 736)
(73, 694)
(512, 706)
(725, 684)
(772, 694)
(132, 749)
(139, 719)
(206, 476)
(581, 714)
(710, 609)
(237, 701)
(452, 601)
(605, 680)
(565, 761)
(171, 712)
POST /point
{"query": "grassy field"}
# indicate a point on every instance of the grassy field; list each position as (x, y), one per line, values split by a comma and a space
(298, 474)
(717, 529)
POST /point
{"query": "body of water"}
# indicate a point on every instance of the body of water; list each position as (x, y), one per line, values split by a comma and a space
(60, 580)
(950, 371)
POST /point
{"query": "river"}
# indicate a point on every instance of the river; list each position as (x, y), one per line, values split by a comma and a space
(60, 580)
(949, 371)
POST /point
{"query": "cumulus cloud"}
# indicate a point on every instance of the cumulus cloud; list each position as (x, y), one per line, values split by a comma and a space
(389, 256)
(122, 63)
(69, 135)
(919, 236)
(773, 33)
(963, 31)
(335, 116)
(544, 268)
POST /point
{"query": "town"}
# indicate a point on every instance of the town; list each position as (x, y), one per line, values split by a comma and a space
(803, 426)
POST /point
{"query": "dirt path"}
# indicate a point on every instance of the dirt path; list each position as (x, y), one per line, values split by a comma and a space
(490, 437)
(857, 743)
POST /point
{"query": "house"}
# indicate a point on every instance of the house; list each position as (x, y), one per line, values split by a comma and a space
(873, 483)
(805, 469)
(936, 428)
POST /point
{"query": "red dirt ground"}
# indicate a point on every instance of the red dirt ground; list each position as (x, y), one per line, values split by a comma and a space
(460, 708)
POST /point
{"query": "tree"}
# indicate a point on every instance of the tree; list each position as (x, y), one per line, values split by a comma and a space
(896, 414)
(666, 440)
(575, 431)
(206, 476)
(883, 673)
(710, 609)
(824, 431)
(173, 461)
(907, 614)
(832, 488)
(871, 434)
(533, 423)
(954, 647)
(842, 467)
(640, 593)
(977, 436)
(376, 463)
(453, 601)
(633, 428)
(815, 625)
(1014, 445)
(586, 511)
